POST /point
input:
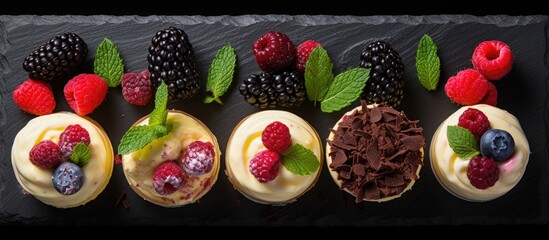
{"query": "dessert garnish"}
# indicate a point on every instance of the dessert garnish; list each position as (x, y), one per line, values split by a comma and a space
(137, 88)
(493, 59)
(220, 74)
(34, 97)
(108, 63)
(303, 52)
(168, 178)
(427, 63)
(85, 92)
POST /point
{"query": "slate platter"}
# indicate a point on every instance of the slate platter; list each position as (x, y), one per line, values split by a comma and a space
(523, 93)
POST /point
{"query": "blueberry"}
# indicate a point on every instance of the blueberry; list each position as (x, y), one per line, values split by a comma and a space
(67, 179)
(497, 144)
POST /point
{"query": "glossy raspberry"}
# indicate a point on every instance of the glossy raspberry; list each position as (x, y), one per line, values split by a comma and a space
(68, 178)
(274, 52)
(493, 59)
(264, 166)
(85, 92)
(303, 51)
(137, 88)
(482, 172)
(168, 178)
(467, 87)
(491, 97)
(45, 154)
(34, 97)
(72, 135)
(198, 158)
(276, 137)
(475, 121)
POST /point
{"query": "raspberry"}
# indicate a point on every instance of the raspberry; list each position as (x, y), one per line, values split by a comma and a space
(491, 97)
(493, 59)
(274, 52)
(264, 166)
(475, 121)
(85, 92)
(276, 137)
(467, 87)
(34, 97)
(72, 135)
(136, 88)
(198, 158)
(168, 178)
(45, 154)
(482, 172)
(303, 51)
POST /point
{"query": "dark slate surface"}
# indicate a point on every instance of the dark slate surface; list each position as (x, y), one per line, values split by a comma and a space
(523, 93)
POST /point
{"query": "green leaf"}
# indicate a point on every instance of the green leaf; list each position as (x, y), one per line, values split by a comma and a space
(300, 160)
(345, 89)
(318, 74)
(427, 63)
(108, 63)
(462, 142)
(138, 137)
(160, 114)
(220, 74)
(80, 154)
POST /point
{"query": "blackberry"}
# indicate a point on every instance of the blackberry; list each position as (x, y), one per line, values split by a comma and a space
(56, 57)
(386, 83)
(172, 60)
(269, 90)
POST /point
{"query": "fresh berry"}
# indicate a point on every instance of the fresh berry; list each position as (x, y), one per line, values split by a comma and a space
(386, 84)
(45, 154)
(482, 172)
(168, 178)
(136, 88)
(198, 158)
(276, 137)
(274, 52)
(34, 97)
(467, 87)
(264, 166)
(270, 90)
(497, 144)
(85, 92)
(303, 51)
(72, 135)
(172, 60)
(475, 121)
(493, 59)
(68, 178)
(491, 97)
(56, 57)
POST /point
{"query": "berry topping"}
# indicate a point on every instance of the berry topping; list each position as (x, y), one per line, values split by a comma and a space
(493, 59)
(264, 166)
(45, 154)
(68, 178)
(136, 88)
(497, 144)
(85, 92)
(303, 51)
(482, 172)
(276, 137)
(72, 135)
(270, 90)
(274, 52)
(475, 121)
(168, 178)
(467, 87)
(198, 158)
(34, 97)
(491, 97)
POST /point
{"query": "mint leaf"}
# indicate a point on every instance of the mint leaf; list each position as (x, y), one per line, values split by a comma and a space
(462, 142)
(300, 160)
(345, 89)
(108, 63)
(220, 74)
(427, 63)
(318, 74)
(160, 114)
(80, 154)
(138, 137)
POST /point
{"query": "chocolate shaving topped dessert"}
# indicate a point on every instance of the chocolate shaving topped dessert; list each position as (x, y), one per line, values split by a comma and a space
(375, 152)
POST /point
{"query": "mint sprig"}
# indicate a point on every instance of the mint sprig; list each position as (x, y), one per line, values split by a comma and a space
(80, 154)
(300, 160)
(160, 113)
(220, 74)
(318, 74)
(462, 142)
(108, 63)
(345, 89)
(427, 63)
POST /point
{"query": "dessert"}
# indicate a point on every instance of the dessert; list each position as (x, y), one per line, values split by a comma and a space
(259, 151)
(375, 153)
(35, 174)
(457, 173)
